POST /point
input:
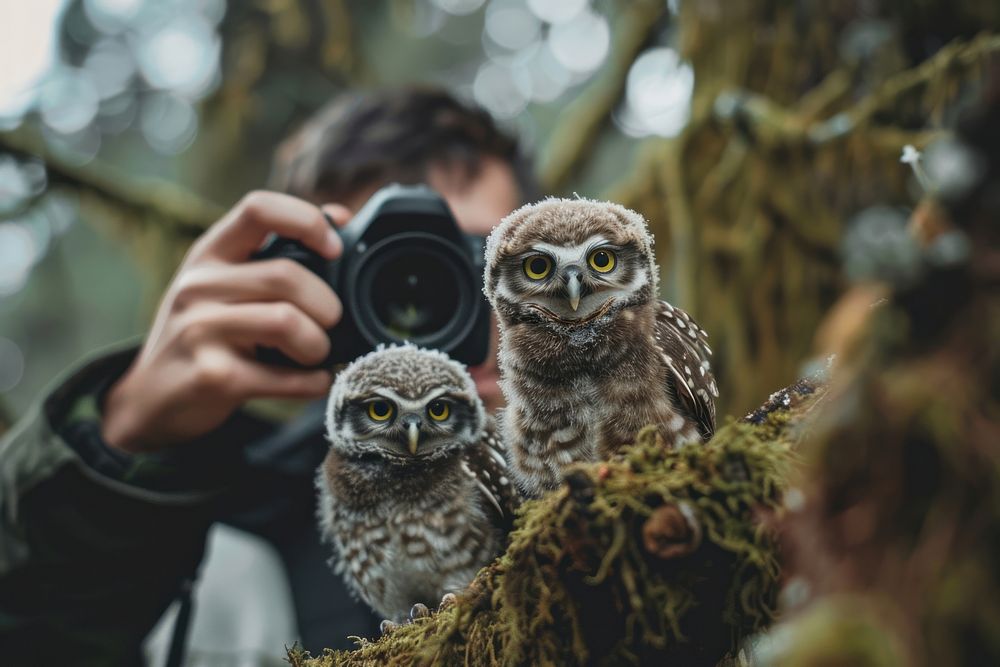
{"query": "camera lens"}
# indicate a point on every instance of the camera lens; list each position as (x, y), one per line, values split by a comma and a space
(418, 288)
(415, 296)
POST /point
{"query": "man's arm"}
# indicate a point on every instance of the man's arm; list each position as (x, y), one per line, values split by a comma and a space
(198, 364)
(94, 544)
(107, 488)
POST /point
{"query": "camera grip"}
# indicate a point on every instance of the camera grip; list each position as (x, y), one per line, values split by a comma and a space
(277, 248)
(281, 247)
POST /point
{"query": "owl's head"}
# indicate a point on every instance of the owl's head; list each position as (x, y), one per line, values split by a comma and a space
(569, 262)
(404, 404)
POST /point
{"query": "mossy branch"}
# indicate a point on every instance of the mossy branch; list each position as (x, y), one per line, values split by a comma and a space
(660, 557)
(770, 123)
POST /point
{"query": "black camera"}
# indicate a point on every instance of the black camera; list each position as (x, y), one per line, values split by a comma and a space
(408, 273)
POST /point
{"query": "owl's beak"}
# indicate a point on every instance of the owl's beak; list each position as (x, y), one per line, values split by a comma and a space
(412, 423)
(573, 288)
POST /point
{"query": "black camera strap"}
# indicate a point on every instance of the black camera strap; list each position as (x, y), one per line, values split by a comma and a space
(178, 639)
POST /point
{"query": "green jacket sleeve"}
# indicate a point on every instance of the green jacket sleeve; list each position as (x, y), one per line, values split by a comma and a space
(94, 544)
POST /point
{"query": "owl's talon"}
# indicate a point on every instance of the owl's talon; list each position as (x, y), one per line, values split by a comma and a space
(448, 600)
(419, 610)
(387, 626)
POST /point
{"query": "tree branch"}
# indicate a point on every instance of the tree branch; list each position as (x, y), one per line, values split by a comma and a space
(183, 212)
(578, 126)
(660, 557)
(770, 123)
(6, 419)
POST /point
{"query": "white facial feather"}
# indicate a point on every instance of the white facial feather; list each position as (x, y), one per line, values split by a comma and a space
(570, 254)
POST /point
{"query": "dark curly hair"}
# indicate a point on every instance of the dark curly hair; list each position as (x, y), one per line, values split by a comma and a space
(365, 139)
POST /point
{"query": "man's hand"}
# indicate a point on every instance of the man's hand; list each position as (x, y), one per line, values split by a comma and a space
(197, 365)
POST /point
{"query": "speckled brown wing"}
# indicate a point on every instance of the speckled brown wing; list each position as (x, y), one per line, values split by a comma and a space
(685, 352)
(487, 465)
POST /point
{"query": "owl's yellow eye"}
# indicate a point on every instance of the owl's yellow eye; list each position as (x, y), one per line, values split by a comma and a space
(380, 411)
(602, 260)
(438, 410)
(537, 267)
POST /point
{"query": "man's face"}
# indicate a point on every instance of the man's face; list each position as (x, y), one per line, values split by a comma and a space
(478, 205)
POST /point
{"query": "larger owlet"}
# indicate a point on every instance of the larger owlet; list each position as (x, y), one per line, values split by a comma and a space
(414, 493)
(588, 353)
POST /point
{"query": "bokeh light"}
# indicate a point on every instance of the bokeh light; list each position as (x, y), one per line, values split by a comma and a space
(11, 364)
(19, 182)
(556, 11)
(423, 20)
(17, 256)
(168, 122)
(26, 38)
(658, 93)
(582, 43)
(877, 246)
(36, 223)
(182, 55)
(459, 7)
(110, 66)
(117, 113)
(542, 78)
(953, 167)
(496, 89)
(511, 25)
(59, 209)
(69, 100)
(76, 148)
(111, 16)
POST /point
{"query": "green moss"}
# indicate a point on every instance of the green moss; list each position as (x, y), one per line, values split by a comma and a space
(841, 631)
(581, 583)
(902, 513)
(896, 545)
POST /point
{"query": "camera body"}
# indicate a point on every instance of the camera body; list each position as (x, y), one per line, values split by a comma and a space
(407, 273)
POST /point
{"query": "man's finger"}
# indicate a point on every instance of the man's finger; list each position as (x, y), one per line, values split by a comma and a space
(257, 380)
(247, 325)
(340, 215)
(238, 235)
(264, 281)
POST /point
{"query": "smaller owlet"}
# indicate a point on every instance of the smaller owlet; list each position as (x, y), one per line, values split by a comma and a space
(414, 493)
(588, 352)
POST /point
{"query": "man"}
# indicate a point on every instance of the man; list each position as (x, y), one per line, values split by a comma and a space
(108, 488)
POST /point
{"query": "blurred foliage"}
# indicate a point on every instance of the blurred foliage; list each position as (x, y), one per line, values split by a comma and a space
(798, 119)
(798, 116)
(893, 553)
(788, 161)
(281, 60)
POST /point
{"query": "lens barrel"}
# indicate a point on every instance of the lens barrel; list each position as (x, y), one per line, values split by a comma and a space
(415, 287)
